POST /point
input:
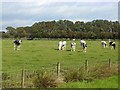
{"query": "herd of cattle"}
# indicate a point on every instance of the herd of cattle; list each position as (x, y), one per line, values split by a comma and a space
(62, 44)
(111, 43)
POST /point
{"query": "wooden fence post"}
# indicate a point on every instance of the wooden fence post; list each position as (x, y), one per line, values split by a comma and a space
(22, 77)
(58, 70)
(109, 63)
(86, 65)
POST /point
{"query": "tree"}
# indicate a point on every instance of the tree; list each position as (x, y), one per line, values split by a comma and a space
(11, 30)
(67, 29)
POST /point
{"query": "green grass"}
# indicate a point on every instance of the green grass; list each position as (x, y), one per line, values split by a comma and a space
(111, 82)
(37, 54)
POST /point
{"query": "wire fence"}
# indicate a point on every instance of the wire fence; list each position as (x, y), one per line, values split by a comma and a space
(24, 77)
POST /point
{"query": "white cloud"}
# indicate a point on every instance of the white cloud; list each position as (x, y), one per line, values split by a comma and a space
(22, 14)
(43, 1)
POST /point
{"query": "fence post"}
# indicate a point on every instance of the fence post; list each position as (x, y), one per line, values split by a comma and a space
(109, 63)
(58, 70)
(22, 77)
(86, 65)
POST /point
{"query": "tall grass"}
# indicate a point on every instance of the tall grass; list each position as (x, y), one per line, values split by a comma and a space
(111, 82)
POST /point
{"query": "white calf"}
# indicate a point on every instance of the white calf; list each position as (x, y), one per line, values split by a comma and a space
(64, 45)
(60, 45)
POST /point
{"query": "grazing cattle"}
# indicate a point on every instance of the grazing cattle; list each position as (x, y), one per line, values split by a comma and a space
(111, 43)
(84, 45)
(73, 45)
(17, 44)
(82, 42)
(60, 45)
(104, 44)
(64, 45)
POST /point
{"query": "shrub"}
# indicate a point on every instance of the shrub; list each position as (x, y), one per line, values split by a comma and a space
(44, 80)
(104, 71)
(76, 75)
(5, 76)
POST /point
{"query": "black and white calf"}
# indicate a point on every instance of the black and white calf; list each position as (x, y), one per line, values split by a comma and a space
(17, 44)
(112, 43)
(84, 45)
(82, 42)
(104, 44)
(73, 45)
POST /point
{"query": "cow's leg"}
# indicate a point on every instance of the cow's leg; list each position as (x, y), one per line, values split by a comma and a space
(111, 47)
(104, 45)
(62, 47)
(18, 47)
(71, 48)
(84, 49)
(59, 47)
(74, 48)
(15, 47)
(114, 46)
(65, 47)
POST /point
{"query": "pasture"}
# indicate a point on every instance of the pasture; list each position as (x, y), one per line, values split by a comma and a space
(37, 54)
(44, 54)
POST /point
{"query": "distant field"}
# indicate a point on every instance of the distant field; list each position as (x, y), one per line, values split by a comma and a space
(37, 54)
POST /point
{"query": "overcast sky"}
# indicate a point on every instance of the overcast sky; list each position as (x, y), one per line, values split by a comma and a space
(26, 13)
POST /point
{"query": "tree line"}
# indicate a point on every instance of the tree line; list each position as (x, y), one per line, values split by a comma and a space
(96, 29)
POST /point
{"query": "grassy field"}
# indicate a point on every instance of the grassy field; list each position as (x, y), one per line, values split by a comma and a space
(44, 54)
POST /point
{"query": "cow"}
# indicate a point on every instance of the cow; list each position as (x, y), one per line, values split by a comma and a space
(60, 45)
(17, 44)
(104, 44)
(64, 45)
(82, 42)
(84, 45)
(73, 45)
(112, 43)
